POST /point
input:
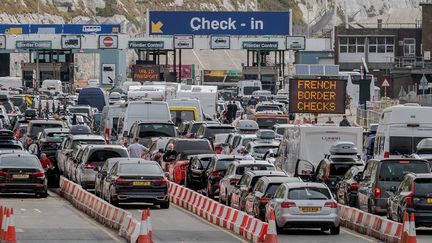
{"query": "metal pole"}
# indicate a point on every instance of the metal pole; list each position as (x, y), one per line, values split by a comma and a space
(37, 69)
(174, 65)
(180, 64)
(259, 65)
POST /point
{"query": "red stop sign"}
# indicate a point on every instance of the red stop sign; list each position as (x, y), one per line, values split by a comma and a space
(108, 41)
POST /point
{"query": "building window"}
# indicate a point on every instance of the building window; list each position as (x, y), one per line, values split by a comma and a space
(381, 45)
(409, 46)
(351, 45)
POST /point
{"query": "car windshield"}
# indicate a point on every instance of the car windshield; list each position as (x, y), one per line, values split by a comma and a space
(269, 122)
(37, 128)
(265, 149)
(140, 169)
(27, 161)
(422, 186)
(309, 193)
(181, 116)
(211, 131)
(147, 130)
(403, 145)
(395, 171)
(193, 145)
(339, 169)
(85, 142)
(252, 167)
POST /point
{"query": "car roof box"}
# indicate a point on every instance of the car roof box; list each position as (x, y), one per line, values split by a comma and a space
(6, 134)
(424, 145)
(266, 134)
(343, 148)
(247, 126)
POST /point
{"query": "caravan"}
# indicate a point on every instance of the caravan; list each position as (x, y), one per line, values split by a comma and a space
(311, 143)
(400, 129)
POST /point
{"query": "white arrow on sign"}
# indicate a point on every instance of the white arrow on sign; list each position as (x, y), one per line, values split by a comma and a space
(385, 83)
(423, 83)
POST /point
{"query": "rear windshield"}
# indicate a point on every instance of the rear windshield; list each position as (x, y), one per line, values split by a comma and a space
(423, 186)
(10, 146)
(79, 110)
(404, 145)
(205, 162)
(147, 130)
(27, 161)
(268, 123)
(395, 171)
(211, 131)
(37, 128)
(265, 149)
(140, 169)
(248, 90)
(194, 128)
(267, 108)
(223, 164)
(244, 168)
(85, 142)
(177, 117)
(193, 145)
(309, 193)
(102, 155)
(339, 169)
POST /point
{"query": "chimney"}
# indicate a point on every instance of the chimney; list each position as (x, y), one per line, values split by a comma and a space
(426, 27)
(379, 23)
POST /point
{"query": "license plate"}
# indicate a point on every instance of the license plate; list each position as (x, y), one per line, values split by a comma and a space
(310, 209)
(20, 176)
(429, 200)
(141, 183)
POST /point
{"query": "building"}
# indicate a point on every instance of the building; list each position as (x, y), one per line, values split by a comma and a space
(395, 46)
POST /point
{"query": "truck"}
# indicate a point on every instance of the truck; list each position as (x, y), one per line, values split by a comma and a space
(312, 142)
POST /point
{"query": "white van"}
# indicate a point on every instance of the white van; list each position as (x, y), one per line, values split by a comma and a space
(311, 143)
(142, 111)
(400, 129)
(185, 110)
(207, 95)
(247, 87)
(52, 86)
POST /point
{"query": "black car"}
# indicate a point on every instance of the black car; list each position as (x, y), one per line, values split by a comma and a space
(216, 171)
(414, 195)
(263, 192)
(22, 173)
(346, 189)
(195, 171)
(102, 172)
(136, 180)
(50, 139)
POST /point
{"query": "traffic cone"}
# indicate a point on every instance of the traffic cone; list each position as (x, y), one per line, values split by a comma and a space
(10, 235)
(271, 236)
(145, 229)
(411, 236)
(405, 228)
(3, 224)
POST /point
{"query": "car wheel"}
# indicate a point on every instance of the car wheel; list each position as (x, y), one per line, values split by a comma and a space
(43, 194)
(164, 205)
(369, 208)
(335, 230)
(325, 228)
(279, 230)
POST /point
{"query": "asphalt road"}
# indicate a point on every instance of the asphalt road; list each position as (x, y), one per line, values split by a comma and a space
(54, 220)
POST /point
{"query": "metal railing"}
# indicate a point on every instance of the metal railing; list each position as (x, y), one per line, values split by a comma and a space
(409, 61)
(373, 112)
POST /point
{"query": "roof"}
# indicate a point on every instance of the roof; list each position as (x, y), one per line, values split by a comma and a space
(266, 172)
(114, 146)
(209, 125)
(48, 130)
(46, 121)
(227, 156)
(251, 162)
(133, 160)
(86, 137)
(18, 154)
(280, 179)
(306, 184)
(200, 156)
(421, 175)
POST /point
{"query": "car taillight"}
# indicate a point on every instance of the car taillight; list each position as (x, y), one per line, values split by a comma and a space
(354, 186)
(89, 166)
(121, 181)
(330, 205)
(264, 200)
(377, 192)
(215, 174)
(160, 182)
(234, 180)
(39, 174)
(288, 204)
(4, 174)
(327, 173)
(386, 154)
(218, 149)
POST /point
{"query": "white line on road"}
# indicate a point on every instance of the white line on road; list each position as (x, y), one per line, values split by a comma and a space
(357, 235)
(37, 210)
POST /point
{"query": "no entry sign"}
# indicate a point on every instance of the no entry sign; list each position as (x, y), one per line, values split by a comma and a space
(108, 41)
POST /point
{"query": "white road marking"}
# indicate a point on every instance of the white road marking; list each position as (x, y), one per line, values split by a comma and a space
(23, 209)
(37, 210)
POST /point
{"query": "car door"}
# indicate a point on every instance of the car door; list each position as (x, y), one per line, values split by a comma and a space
(100, 176)
(365, 186)
(108, 181)
(320, 172)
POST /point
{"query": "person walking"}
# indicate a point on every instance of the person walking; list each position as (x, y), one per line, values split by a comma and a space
(136, 150)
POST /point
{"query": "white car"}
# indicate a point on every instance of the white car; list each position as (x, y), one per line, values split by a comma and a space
(304, 205)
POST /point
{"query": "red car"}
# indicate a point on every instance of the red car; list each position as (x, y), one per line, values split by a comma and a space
(185, 148)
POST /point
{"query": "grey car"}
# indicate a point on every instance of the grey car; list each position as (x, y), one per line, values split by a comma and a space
(380, 176)
(304, 205)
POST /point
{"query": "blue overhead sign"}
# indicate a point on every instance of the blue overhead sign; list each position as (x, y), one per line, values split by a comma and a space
(76, 29)
(219, 23)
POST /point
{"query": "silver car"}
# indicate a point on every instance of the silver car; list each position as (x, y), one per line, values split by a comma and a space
(304, 205)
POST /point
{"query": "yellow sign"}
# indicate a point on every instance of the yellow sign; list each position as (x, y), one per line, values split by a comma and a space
(29, 100)
(156, 27)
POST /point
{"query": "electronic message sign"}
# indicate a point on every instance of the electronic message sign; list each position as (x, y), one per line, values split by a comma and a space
(317, 96)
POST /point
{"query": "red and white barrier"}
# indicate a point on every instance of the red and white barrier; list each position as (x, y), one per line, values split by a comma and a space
(243, 224)
(100, 210)
(370, 224)
(7, 225)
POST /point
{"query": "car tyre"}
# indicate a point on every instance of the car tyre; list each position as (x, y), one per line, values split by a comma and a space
(279, 230)
(335, 230)
(165, 205)
(43, 194)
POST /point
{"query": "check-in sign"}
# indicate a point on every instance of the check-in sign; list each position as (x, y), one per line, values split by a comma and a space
(317, 96)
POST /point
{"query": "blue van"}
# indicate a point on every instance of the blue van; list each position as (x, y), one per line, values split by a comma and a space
(93, 97)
